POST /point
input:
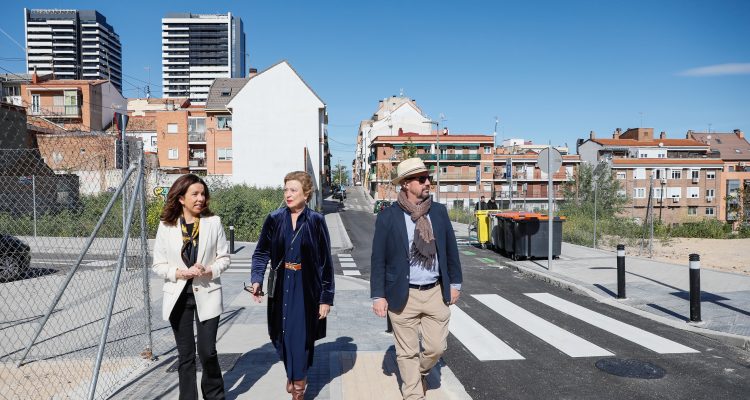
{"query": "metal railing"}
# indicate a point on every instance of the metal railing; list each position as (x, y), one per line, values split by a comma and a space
(196, 136)
(56, 111)
(451, 157)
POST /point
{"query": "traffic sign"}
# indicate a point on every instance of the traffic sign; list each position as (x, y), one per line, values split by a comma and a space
(550, 160)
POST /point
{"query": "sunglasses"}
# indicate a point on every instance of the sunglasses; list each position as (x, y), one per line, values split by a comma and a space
(422, 179)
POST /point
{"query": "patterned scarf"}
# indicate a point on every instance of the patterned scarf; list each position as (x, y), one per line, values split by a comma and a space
(423, 247)
(189, 242)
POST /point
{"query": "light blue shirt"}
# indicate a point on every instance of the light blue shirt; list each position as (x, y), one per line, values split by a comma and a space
(417, 274)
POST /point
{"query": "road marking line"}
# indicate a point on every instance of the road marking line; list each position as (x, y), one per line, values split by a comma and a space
(349, 272)
(348, 265)
(468, 253)
(563, 340)
(611, 325)
(482, 343)
(345, 255)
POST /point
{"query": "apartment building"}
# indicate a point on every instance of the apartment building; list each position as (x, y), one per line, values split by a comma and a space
(394, 115)
(734, 151)
(465, 172)
(71, 105)
(682, 175)
(219, 124)
(279, 124)
(73, 44)
(520, 184)
(198, 48)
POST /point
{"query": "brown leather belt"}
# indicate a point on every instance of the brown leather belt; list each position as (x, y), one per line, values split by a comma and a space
(293, 266)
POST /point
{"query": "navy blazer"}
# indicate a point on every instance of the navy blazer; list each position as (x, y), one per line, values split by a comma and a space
(389, 267)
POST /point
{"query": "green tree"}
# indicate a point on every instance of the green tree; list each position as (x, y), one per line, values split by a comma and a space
(579, 193)
(409, 150)
(340, 174)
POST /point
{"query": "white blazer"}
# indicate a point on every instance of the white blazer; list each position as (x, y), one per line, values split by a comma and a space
(213, 253)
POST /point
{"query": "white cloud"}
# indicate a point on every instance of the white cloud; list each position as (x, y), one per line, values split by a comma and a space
(718, 70)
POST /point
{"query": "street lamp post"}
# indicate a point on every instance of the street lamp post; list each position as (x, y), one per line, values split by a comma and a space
(437, 157)
(661, 198)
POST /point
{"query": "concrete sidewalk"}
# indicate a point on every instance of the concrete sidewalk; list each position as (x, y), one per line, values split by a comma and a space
(654, 289)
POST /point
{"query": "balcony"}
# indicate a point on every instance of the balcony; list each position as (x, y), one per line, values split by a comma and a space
(451, 157)
(197, 137)
(457, 176)
(197, 163)
(57, 111)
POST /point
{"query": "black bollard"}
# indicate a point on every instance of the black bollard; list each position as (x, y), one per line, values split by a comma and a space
(388, 326)
(231, 239)
(695, 288)
(620, 271)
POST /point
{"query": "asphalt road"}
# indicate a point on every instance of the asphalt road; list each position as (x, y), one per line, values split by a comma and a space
(515, 337)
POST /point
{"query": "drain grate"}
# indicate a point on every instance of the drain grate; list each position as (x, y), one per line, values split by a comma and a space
(631, 368)
(226, 362)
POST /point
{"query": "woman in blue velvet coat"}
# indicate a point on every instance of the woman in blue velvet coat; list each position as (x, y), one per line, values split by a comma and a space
(295, 239)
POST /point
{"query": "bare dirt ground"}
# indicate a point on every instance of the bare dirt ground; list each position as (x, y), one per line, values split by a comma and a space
(731, 255)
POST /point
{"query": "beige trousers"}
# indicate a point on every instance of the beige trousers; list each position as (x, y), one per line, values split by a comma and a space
(425, 314)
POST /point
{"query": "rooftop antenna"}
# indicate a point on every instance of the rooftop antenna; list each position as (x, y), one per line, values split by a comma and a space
(401, 92)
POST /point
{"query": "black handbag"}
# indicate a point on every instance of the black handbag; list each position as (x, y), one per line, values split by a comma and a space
(272, 275)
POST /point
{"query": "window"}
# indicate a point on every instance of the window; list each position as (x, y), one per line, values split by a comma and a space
(458, 204)
(676, 174)
(639, 193)
(487, 150)
(620, 174)
(657, 193)
(444, 188)
(674, 193)
(196, 125)
(35, 103)
(695, 173)
(153, 141)
(710, 174)
(456, 188)
(487, 187)
(171, 128)
(443, 170)
(639, 173)
(710, 211)
(487, 169)
(224, 121)
(692, 210)
(662, 155)
(173, 154)
(224, 154)
(472, 188)
(710, 193)
(659, 173)
(693, 192)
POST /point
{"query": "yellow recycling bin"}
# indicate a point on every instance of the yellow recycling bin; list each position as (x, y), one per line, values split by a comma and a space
(483, 227)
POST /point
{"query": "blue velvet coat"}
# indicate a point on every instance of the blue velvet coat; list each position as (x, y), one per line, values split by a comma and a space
(317, 269)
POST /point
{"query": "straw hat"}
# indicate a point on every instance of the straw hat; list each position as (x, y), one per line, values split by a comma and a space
(407, 168)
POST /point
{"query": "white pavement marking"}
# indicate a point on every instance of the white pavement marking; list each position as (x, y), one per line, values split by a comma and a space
(344, 259)
(348, 265)
(621, 329)
(482, 343)
(344, 255)
(563, 340)
(349, 272)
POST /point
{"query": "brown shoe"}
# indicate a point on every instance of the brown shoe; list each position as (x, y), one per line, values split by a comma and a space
(289, 386)
(298, 392)
(425, 386)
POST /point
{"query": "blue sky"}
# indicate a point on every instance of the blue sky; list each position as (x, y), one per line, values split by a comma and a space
(549, 70)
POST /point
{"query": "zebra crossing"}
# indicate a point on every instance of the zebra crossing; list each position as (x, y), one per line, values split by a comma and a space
(348, 266)
(485, 346)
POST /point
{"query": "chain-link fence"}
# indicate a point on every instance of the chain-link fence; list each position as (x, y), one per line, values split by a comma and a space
(74, 318)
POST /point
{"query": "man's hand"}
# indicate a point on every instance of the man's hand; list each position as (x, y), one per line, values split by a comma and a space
(380, 307)
(323, 311)
(257, 293)
(455, 294)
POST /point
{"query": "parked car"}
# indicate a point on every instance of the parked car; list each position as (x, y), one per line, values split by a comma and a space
(380, 205)
(340, 194)
(15, 258)
(357, 183)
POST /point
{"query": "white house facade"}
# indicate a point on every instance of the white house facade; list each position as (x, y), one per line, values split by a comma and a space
(279, 126)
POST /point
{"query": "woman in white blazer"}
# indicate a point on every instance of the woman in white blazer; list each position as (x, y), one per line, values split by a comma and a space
(190, 253)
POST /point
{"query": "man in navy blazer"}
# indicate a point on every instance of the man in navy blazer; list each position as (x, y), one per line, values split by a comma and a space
(415, 275)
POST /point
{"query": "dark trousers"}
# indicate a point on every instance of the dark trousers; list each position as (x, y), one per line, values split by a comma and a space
(181, 319)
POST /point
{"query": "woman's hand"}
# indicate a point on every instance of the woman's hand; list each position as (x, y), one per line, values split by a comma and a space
(323, 311)
(185, 273)
(257, 293)
(204, 272)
